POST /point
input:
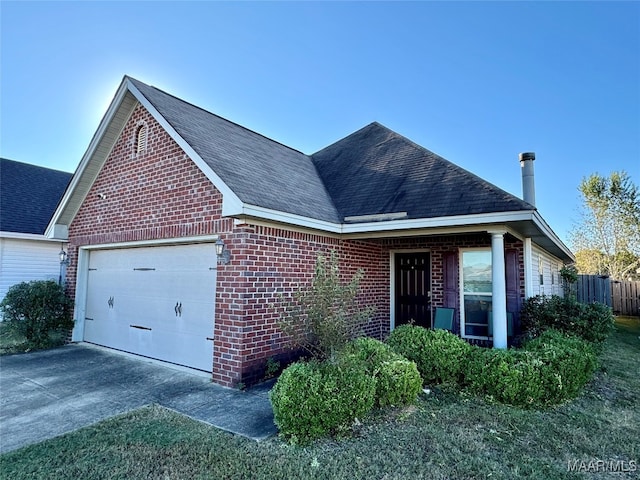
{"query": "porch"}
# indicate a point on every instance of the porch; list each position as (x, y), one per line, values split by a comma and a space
(454, 275)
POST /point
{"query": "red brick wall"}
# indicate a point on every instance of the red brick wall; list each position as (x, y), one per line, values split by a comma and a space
(162, 194)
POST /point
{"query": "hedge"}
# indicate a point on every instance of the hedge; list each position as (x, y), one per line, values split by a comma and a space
(439, 355)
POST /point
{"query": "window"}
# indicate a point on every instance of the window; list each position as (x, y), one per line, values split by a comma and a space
(141, 139)
(541, 270)
(477, 288)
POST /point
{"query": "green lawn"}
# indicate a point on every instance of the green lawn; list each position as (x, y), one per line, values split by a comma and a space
(445, 435)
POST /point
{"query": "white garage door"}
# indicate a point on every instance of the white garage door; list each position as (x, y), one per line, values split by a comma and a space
(154, 301)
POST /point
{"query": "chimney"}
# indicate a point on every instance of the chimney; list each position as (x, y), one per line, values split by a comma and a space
(528, 181)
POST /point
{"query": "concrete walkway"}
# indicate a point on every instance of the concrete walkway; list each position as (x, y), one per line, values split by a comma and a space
(49, 393)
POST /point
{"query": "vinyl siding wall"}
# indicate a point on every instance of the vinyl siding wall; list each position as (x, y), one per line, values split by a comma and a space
(545, 264)
(26, 260)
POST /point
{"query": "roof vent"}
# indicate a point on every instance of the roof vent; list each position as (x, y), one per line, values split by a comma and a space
(141, 139)
(528, 180)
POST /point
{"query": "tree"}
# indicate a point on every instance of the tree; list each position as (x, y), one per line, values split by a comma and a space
(322, 317)
(607, 240)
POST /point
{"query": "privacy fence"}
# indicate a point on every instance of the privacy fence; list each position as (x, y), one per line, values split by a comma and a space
(622, 296)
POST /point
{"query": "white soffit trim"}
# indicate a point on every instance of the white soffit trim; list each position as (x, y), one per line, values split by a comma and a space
(443, 225)
(53, 229)
(153, 243)
(231, 204)
(28, 236)
(287, 218)
(549, 233)
(439, 222)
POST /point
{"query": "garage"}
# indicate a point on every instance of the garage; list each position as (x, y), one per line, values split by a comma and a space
(154, 301)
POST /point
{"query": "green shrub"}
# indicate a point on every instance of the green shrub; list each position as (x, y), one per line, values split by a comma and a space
(314, 399)
(324, 316)
(398, 381)
(509, 376)
(546, 371)
(35, 309)
(439, 355)
(593, 322)
(540, 313)
(597, 323)
(568, 363)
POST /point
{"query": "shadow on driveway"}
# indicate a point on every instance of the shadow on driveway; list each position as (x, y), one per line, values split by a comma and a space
(49, 393)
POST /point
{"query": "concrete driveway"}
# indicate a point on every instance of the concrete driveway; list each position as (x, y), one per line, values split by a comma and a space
(48, 393)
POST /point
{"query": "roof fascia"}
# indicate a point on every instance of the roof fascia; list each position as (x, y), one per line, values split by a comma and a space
(438, 222)
(254, 211)
(56, 230)
(399, 228)
(460, 223)
(53, 230)
(28, 236)
(549, 233)
(230, 201)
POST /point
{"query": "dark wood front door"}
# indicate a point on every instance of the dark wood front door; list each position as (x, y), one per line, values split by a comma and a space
(413, 289)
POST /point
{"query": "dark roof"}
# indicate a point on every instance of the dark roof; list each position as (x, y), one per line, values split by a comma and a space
(28, 196)
(258, 170)
(377, 171)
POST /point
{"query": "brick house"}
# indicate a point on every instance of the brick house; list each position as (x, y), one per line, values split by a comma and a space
(163, 181)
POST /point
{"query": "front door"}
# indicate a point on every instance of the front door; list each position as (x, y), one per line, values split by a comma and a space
(413, 289)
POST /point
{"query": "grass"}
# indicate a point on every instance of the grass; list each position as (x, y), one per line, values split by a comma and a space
(11, 342)
(447, 434)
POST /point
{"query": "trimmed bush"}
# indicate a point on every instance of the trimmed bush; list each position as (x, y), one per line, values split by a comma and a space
(509, 376)
(311, 400)
(398, 381)
(592, 322)
(546, 371)
(569, 363)
(439, 355)
(35, 309)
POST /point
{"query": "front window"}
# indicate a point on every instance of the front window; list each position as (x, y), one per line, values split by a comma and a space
(541, 270)
(476, 291)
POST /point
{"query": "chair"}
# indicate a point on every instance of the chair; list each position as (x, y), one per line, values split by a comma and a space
(443, 319)
(509, 324)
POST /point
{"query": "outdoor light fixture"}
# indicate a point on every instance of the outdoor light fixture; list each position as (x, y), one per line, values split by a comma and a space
(64, 263)
(64, 257)
(222, 253)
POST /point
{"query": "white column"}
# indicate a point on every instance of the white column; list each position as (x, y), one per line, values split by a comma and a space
(499, 300)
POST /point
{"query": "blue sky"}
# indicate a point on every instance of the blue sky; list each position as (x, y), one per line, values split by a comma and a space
(476, 82)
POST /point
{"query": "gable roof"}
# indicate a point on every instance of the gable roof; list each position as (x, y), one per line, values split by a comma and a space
(371, 182)
(376, 171)
(29, 195)
(260, 171)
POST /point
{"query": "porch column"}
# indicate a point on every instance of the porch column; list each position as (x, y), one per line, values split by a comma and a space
(499, 289)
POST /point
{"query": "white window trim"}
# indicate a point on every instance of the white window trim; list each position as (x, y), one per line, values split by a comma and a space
(461, 290)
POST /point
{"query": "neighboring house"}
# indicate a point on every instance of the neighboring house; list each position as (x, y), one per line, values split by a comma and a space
(162, 181)
(28, 197)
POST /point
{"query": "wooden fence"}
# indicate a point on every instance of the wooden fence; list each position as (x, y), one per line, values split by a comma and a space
(626, 298)
(622, 296)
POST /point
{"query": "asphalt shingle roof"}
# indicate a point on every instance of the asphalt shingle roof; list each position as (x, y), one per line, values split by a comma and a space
(29, 195)
(372, 171)
(377, 171)
(260, 171)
